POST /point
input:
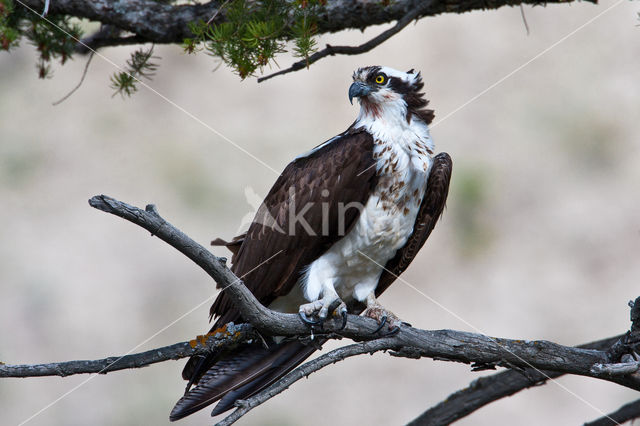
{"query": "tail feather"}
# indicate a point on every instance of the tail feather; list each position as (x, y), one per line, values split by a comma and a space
(239, 375)
(287, 360)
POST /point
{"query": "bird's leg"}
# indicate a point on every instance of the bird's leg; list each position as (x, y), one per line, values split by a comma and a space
(384, 317)
(329, 303)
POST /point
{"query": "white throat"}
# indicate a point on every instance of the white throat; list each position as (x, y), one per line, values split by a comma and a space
(387, 122)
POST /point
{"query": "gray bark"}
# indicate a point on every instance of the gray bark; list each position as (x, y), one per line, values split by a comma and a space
(232, 335)
(157, 22)
(472, 348)
(530, 362)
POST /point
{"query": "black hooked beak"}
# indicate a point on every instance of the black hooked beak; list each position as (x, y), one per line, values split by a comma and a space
(358, 89)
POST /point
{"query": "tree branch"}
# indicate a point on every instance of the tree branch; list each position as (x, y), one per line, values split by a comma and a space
(226, 337)
(77, 86)
(491, 388)
(625, 413)
(481, 351)
(153, 21)
(532, 362)
(336, 355)
(160, 22)
(480, 392)
(356, 50)
(486, 390)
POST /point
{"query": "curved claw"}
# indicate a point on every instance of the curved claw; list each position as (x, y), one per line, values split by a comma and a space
(305, 319)
(394, 330)
(344, 320)
(383, 321)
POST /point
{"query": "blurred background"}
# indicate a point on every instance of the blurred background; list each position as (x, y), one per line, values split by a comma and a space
(540, 240)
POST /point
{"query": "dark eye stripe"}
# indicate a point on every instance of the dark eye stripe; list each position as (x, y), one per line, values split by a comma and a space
(402, 87)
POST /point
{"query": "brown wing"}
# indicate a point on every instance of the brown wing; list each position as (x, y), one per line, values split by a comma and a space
(233, 245)
(430, 211)
(271, 256)
(229, 376)
(278, 246)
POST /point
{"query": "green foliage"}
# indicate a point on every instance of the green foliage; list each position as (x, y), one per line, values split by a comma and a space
(254, 32)
(9, 33)
(305, 44)
(54, 37)
(138, 66)
(249, 39)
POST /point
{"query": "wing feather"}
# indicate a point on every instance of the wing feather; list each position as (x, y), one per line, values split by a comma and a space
(288, 232)
(270, 259)
(236, 376)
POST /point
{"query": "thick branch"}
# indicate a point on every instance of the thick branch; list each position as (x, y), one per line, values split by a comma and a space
(482, 351)
(625, 413)
(151, 20)
(487, 389)
(533, 361)
(159, 22)
(229, 336)
(491, 388)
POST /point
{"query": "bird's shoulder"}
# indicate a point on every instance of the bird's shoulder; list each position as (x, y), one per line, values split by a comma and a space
(340, 161)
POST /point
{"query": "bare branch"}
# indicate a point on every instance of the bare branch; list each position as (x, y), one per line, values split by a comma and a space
(524, 19)
(228, 336)
(482, 351)
(532, 362)
(480, 392)
(486, 390)
(84, 74)
(617, 369)
(625, 413)
(336, 355)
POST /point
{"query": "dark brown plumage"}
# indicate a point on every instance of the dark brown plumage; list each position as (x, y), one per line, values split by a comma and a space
(345, 168)
(272, 255)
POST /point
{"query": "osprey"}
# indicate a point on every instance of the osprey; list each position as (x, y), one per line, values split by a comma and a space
(336, 229)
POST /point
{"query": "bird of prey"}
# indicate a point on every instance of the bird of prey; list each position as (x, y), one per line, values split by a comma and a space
(339, 225)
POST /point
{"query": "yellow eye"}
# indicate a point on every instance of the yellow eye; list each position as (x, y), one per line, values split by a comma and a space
(380, 79)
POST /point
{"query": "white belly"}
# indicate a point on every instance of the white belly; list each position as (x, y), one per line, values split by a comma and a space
(353, 265)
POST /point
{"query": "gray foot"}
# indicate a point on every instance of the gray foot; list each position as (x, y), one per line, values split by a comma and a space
(318, 311)
(384, 317)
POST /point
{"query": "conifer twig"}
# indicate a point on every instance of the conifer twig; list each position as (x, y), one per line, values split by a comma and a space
(84, 74)
(355, 50)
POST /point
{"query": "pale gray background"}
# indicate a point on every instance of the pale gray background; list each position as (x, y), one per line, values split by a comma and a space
(540, 240)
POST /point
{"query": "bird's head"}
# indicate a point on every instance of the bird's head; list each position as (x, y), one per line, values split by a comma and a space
(379, 88)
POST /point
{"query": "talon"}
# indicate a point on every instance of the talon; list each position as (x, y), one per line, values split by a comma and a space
(383, 321)
(305, 319)
(334, 305)
(323, 309)
(377, 312)
(393, 331)
(344, 319)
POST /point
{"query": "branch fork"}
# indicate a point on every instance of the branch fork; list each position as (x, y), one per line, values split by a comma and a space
(530, 363)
